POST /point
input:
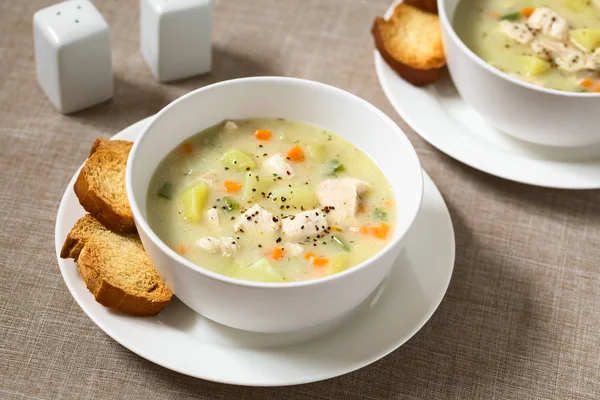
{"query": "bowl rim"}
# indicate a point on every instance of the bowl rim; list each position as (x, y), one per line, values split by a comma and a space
(142, 223)
(447, 25)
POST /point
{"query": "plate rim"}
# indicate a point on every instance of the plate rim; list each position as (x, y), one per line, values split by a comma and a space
(116, 336)
(480, 165)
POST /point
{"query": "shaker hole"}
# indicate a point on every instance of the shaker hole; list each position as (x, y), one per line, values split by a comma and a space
(76, 21)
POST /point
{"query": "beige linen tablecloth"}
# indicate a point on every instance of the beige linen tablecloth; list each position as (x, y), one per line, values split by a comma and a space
(521, 319)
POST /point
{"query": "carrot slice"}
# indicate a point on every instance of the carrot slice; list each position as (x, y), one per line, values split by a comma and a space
(232, 186)
(597, 89)
(187, 148)
(181, 249)
(295, 154)
(586, 83)
(389, 203)
(308, 255)
(381, 231)
(527, 11)
(320, 261)
(262, 134)
(277, 253)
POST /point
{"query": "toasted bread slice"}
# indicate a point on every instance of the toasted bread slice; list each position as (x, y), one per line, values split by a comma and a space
(100, 186)
(115, 268)
(411, 43)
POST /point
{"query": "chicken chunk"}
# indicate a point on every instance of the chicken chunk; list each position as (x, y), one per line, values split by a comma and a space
(549, 22)
(230, 126)
(564, 55)
(341, 196)
(595, 56)
(257, 220)
(212, 215)
(226, 246)
(278, 165)
(304, 225)
(518, 32)
(208, 177)
(293, 249)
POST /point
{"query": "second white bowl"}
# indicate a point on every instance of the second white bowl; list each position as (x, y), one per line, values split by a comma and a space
(520, 109)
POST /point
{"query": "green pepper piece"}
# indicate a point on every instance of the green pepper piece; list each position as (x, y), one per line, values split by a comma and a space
(379, 214)
(510, 16)
(341, 242)
(334, 166)
(165, 190)
(230, 204)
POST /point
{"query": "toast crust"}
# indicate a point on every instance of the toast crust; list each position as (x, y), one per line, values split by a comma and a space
(107, 204)
(410, 43)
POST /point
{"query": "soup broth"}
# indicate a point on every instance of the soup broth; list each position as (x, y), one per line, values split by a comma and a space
(271, 200)
(550, 43)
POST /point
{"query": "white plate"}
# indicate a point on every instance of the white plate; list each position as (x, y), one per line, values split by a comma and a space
(439, 115)
(181, 340)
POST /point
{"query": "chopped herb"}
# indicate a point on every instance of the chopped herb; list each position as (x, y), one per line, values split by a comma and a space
(230, 204)
(510, 17)
(341, 242)
(165, 190)
(379, 214)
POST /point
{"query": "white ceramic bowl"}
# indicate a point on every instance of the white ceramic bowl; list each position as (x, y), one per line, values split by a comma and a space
(275, 307)
(528, 112)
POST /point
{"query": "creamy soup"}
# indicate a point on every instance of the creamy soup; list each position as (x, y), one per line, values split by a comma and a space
(550, 43)
(271, 200)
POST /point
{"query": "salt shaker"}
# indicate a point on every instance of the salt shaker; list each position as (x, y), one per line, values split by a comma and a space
(176, 37)
(73, 55)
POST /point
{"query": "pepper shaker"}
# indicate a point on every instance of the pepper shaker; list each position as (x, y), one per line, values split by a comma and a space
(73, 55)
(176, 37)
